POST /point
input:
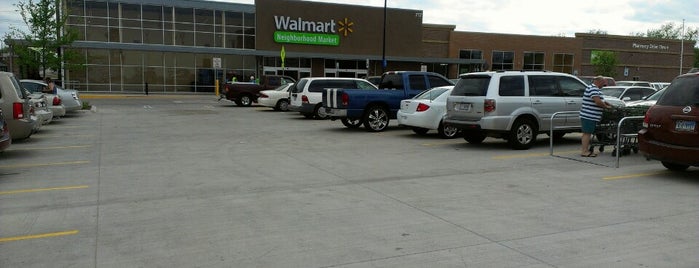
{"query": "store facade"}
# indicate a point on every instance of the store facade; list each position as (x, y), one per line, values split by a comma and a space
(186, 45)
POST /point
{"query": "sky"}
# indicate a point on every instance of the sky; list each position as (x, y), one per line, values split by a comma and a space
(532, 17)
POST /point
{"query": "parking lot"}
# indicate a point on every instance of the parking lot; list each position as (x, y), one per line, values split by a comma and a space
(186, 181)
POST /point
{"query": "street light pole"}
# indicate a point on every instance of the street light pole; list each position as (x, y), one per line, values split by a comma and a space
(682, 47)
(383, 51)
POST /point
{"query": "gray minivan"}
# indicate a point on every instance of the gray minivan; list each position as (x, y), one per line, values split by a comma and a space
(16, 107)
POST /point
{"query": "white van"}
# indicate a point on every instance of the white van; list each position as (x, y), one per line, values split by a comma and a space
(306, 96)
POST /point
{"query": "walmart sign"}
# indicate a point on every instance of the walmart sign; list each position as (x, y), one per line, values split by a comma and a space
(300, 31)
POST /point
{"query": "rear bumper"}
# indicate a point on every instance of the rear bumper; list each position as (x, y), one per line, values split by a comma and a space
(335, 112)
(656, 150)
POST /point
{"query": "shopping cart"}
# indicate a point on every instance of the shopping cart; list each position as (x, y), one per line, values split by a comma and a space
(606, 130)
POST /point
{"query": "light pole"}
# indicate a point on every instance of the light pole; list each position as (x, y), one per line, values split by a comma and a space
(383, 51)
(682, 47)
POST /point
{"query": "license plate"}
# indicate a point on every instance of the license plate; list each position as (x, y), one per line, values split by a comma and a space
(682, 125)
(464, 107)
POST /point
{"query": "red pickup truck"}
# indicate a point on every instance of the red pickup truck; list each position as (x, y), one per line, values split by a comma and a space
(244, 94)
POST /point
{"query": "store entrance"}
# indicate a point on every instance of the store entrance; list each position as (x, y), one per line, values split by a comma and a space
(356, 73)
(296, 73)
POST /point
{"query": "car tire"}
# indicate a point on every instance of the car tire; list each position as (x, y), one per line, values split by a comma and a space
(319, 113)
(245, 100)
(447, 131)
(522, 135)
(420, 130)
(674, 167)
(282, 105)
(352, 123)
(474, 137)
(376, 119)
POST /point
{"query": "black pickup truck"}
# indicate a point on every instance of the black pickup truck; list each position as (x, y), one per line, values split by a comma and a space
(244, 94)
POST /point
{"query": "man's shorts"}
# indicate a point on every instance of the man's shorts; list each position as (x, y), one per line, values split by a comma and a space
(588, 126)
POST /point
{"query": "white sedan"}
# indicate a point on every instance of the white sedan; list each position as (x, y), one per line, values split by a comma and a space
(426, 112)
(277, 98)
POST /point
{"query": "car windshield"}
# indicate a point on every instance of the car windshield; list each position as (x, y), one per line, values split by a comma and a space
(284, 87)
(471, 85)
(431, 94)
(298, 87)
(612, 91)
(655, 95)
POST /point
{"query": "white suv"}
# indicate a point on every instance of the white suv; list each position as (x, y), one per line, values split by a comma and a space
(306, 96)
(514, 105)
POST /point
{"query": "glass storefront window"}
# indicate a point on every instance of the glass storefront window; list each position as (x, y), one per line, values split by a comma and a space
(76, 7)
(184, 38)
(184, 14)
(503, 60)
(131, 36)
(95, 9)
(234, 18)
(184, 60)
(130, 57)
(154, 13)
(153, 58)
(533, 61)
(152, 36)
(132, 75)
(204, 16)
(98, 74)
(249, 20)
(98, 56)
(130, 11)
(96, 33)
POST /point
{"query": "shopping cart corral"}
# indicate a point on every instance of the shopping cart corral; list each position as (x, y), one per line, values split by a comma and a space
(621, 122)
(619, 128)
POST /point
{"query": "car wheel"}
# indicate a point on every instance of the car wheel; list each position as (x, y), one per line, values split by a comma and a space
(245, 100)
(420, 130)
(522, 135)
(351, 123)
(447, 131)
(319, 112)
(282, 105)
(376, 119)
(474, 137)
(674, 167)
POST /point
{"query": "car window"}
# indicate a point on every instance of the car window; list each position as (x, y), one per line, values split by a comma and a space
(542, 85)
(472, 85)
(274, 81)
(656, 95)
(286, 80)
(18, 88)
(436, 81)
(365, 85)
(512, 85)
(321, 85)
(612, 91)
(431, 94)
(391, 81)
(571, 87)
(417, 82)
(683, 91)
(633, 93)
(647, 92)
(283, 87)
(298, 87)
(32, 87)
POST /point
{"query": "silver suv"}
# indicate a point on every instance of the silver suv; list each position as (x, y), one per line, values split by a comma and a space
(514, 105)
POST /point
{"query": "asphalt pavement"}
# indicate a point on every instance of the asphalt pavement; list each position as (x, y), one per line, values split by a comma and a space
(187, 181)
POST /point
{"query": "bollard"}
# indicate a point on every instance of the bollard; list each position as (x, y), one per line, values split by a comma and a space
(146, 89)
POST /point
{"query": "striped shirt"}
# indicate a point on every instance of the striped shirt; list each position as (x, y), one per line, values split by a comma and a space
(589, 109)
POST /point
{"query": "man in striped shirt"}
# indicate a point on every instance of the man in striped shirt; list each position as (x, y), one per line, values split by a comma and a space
(593, 105)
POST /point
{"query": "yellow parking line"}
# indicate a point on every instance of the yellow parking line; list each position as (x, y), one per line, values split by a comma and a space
(44, 164)
(511, 156)
(44, 189)
(54, 148)
(26, 237)
(634, 175)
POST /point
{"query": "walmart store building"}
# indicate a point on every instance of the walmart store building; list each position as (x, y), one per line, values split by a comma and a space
(185, 45)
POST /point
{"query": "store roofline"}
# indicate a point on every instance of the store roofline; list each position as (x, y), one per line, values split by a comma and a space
(264, 53)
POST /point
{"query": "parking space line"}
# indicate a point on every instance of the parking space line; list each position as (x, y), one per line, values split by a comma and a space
(53, 148)
(27, 237)
(44, 164)
(44, 189)
(511, 156)
(629, 176)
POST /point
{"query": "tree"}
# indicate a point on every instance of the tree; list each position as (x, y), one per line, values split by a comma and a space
(40, 47)
(604, 62)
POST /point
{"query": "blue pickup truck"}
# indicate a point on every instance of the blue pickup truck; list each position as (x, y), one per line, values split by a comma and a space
(374, 108)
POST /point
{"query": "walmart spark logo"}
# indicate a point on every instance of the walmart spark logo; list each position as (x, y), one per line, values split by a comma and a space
(346, 27)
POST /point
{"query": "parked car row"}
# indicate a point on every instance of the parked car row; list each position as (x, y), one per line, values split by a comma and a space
(517, 106)
(24, 108)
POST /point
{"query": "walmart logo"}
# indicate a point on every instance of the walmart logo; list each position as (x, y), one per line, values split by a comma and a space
(300, 31)
(346, 27)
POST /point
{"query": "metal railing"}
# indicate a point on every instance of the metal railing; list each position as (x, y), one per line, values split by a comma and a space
(618, 131)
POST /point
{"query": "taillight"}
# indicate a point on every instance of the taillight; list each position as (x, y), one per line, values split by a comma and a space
(263, 95)
(646, 119)
(17, 110)
(304, 99)
(422, 107)
(489, 105)
(345, 100)
(56, 100)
